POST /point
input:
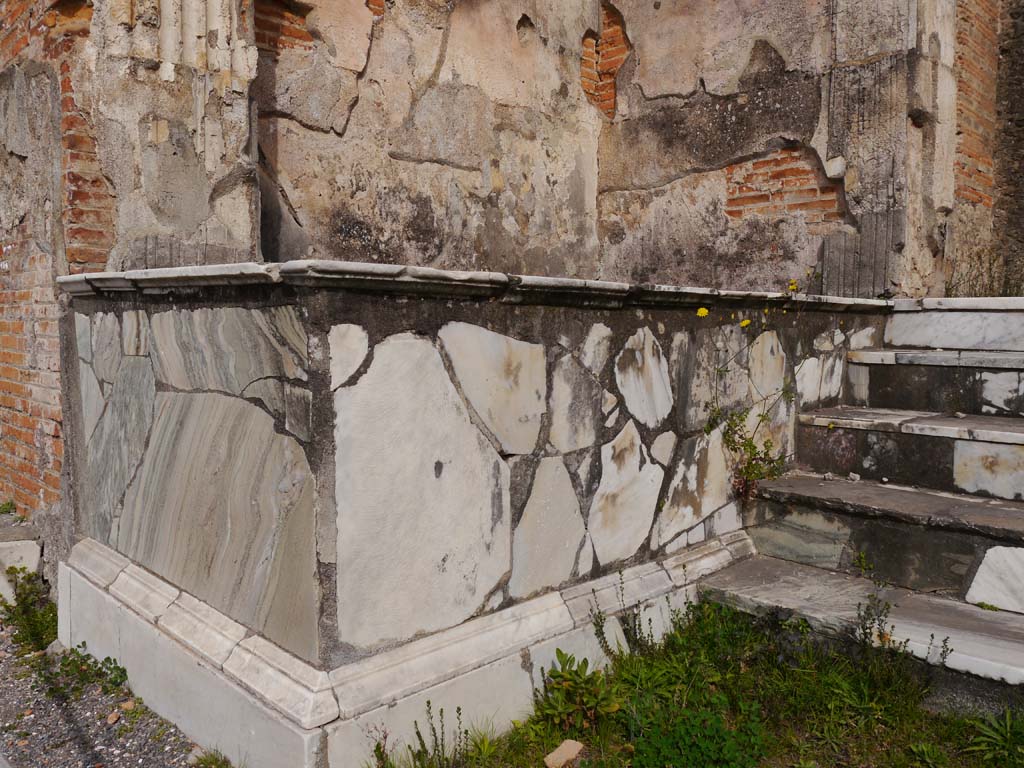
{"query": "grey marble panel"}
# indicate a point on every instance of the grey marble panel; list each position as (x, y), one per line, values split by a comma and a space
(227, 348)
(115, 446)
(222, 506)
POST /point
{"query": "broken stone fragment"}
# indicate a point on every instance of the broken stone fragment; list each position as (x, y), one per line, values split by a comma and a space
(548, 536)
(504, 380)
(767, 362)
(701, 484)
(576, 398)
(1000, 579)
(624, 505)
(349, 347)
(596, 348)
(409, 462)
(566, 753)
(641, 373)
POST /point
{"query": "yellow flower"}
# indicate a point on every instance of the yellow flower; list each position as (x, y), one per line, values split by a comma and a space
(794, 286)
(744, 323)
(703, 312)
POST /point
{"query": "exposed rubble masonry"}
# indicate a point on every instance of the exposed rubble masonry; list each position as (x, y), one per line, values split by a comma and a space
(603, 57)
(280, 25)
(89, 202)
(789, 181)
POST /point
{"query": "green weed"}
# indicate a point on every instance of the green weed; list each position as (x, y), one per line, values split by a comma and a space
(32, 615)
(1000, 740)
(213, 760)
(725, 690)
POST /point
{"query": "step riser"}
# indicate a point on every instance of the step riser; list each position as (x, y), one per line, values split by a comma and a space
(944, 464)
(943, 389)
(906, 555)
(957, 330)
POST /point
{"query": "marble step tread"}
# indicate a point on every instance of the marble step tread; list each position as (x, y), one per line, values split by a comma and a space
(997, 518)
(956, 358)
(988, 429)
(985, 643)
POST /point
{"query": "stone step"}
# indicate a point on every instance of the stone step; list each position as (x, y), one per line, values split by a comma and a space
(946, 381)
(947, 358)
(988, 644)
(958, 324)
(941, 380)
(974, 454)
(919, 539)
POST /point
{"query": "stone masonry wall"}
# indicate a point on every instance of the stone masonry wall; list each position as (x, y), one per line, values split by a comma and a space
(595, 139)
(138, 157)
(1009, 225)
(345, 472)
(976, 265)
(31, 451)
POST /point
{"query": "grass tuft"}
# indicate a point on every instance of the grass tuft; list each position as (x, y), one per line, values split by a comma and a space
(725, 690)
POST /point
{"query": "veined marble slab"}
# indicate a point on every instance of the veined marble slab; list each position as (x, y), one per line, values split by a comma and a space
(222, 505)
(980, 330)
(227, 348)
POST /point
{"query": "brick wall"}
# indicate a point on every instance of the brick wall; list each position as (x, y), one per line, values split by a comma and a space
(977, 63)
(31, 447)
(603, 57)
(786, 182)
(17, 19)
(280, 25)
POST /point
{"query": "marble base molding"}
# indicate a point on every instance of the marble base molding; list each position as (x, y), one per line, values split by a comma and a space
(235, 691)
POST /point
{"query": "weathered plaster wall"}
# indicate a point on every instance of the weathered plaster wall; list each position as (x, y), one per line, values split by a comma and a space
(600, 140)
(345, 472)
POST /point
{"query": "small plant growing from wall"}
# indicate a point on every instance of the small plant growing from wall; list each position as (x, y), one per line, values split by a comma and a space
(32, 615)
(756, 458)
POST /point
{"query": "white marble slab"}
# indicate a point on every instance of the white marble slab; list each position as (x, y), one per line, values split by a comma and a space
(1000, 579)
(956, 330)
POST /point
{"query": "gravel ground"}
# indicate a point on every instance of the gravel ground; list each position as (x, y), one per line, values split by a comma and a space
(91, 730)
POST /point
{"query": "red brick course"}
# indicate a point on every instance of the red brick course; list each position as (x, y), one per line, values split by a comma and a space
(788, 181)
(31, 447)
(603, 57)
(977, 65)
(280, 26)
